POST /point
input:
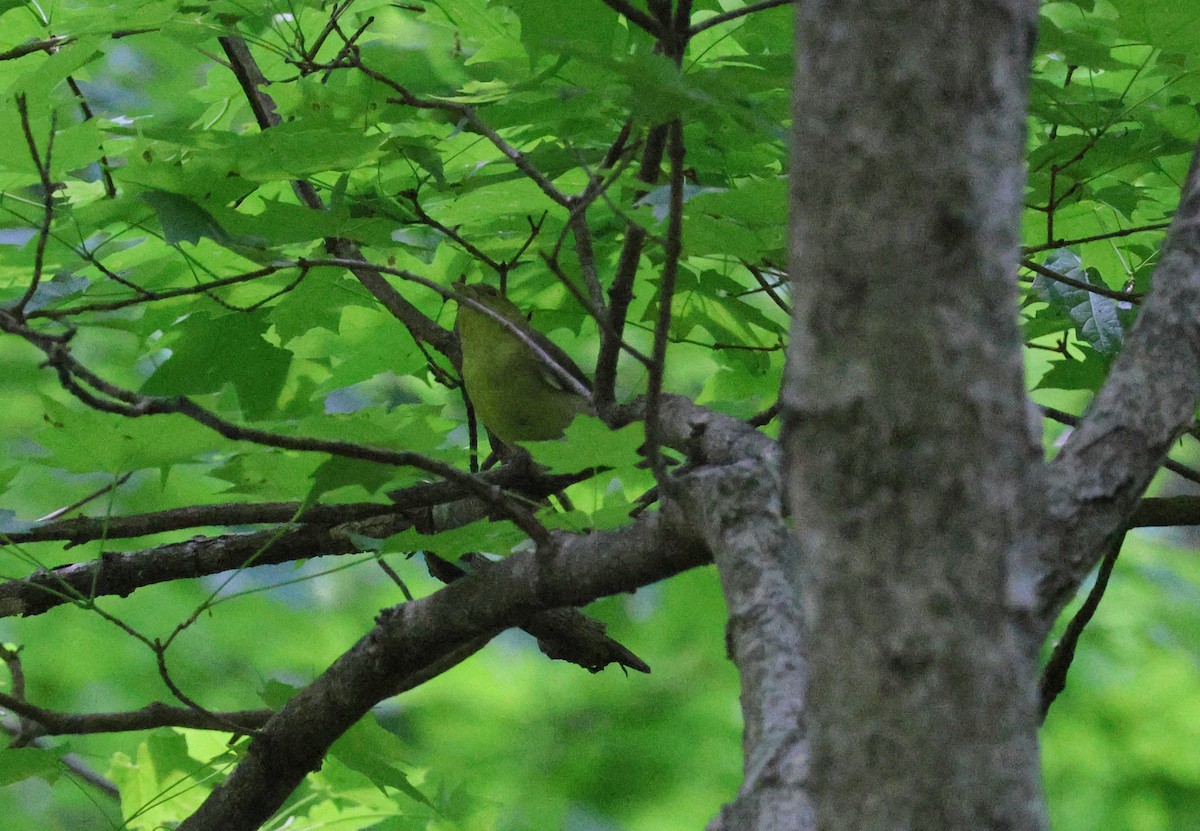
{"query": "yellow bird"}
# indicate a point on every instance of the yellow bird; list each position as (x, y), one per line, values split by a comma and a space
(523, 387)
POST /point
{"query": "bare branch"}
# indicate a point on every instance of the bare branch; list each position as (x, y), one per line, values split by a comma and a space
(635, 16)
(767, 287)
(48, 45)
(1094, 288)
(83, 529)
(1067, 243)
(415, 635)
(146, 296)
(1178, 468)
(725, 17)
(666, 295)
(48, 187)
(122, 573)
(147, 718)
(1054, 674)
(620, 293)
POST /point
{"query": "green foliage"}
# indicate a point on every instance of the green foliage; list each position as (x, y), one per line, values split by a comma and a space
(1111, 758)
(172, 260)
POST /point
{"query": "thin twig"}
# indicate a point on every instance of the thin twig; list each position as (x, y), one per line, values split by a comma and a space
(160, 653)
(43, 170)
(635, 16)
(1054, 675)
(1094, 288)
(666, 294)
(111, 486)
(725, 17)
(1067, 243)
(471, 116)
(110, 187)
(769, 289)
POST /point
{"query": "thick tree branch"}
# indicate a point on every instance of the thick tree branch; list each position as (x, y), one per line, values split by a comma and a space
(121, 573)
(1148, 400)
(911, 492)
(409, 637)
(416, 635)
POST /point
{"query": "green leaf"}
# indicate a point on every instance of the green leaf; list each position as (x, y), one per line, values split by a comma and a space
(68, 434)
(164, 783)
(183, 220)
(210, 351)
(291, 151)
(486, 537)
(18, 764)
(375, 753)
(339, 472)
(1095, 316)
(1068, 374)
(587, 442)
(1169, 25)
(547, 25)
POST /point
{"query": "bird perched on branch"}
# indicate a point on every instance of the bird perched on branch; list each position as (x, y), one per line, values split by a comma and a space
(523, 387)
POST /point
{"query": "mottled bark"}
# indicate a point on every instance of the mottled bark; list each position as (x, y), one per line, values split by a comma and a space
(912, 470)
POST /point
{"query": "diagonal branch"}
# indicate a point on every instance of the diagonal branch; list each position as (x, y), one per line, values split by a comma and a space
(1148, 400)
(422, 328)
(1054, 674)
(620, 292)
(42, 165)
(1094, 288)
(414, 635)
(635, 16)
(417, 634)
(725, 17)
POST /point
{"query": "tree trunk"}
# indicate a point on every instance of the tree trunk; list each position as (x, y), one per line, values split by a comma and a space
(911, 469)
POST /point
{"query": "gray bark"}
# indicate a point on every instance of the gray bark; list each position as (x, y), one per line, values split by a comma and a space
(911, 468)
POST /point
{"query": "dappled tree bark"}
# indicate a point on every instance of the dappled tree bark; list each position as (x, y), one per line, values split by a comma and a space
(911, 468)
